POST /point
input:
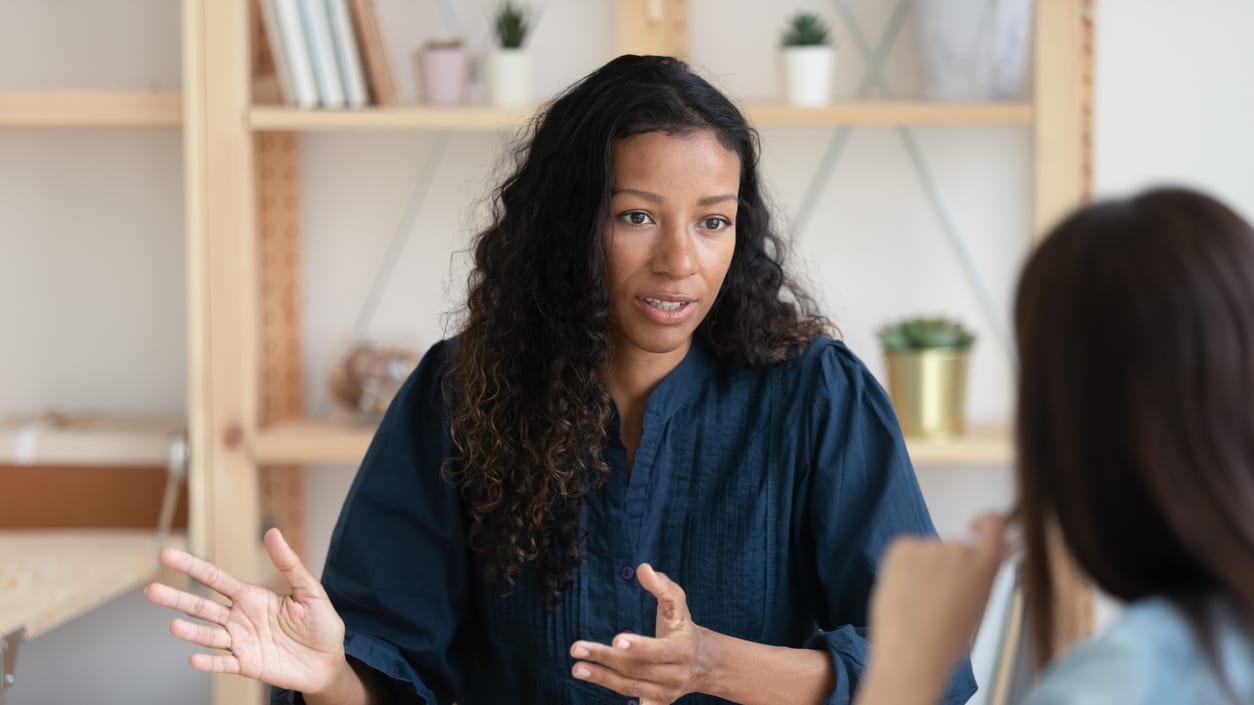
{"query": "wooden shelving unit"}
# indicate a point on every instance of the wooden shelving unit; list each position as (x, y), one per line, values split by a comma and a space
(137, 109)
(410, 117)
(891, 113)
(310, 442)
(122, 441)
(478, 118)
(987, 444)
(50, 576)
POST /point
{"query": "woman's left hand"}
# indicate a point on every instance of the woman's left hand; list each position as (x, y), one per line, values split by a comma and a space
(657, 670)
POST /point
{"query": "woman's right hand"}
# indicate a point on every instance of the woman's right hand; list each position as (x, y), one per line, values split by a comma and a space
(293, 641)
(925, 609)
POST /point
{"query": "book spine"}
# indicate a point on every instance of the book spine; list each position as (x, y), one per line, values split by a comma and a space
(326, 70)
(298, 59)
(347, 53)
(370, 39)
(274, 37)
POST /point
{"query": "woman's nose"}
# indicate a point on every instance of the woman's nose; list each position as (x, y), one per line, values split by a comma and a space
(675, 255)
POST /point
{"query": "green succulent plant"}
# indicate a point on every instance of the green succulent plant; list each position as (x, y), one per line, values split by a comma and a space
(512, 23)
(925, 333)
(805, 30)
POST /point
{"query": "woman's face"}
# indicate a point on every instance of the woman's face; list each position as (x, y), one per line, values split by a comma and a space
(669, 237)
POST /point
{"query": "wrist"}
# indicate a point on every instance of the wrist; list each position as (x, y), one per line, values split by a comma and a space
(901, 681)
(337, 686)
(710, 677)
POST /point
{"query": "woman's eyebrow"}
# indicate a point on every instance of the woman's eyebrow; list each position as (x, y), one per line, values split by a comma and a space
(646, 195)
(655, 198)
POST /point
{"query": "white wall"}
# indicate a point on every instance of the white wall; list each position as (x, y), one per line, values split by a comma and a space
(91, 285)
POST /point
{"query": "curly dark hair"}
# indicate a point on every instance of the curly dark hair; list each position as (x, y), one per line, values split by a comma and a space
(529, 405)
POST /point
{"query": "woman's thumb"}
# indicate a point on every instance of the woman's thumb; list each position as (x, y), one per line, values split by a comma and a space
(304, 585)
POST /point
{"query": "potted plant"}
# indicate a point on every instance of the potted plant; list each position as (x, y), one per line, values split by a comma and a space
(808, 61)
(927, 374)
(443, 72)
(509, 65)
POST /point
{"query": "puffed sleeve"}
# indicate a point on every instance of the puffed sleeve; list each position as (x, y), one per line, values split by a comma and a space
(863, 493)
(398, 570)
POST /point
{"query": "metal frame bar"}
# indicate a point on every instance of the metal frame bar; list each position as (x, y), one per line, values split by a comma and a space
(9, 644)
(873, 79)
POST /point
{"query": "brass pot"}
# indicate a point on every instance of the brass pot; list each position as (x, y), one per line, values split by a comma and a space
(928, 389)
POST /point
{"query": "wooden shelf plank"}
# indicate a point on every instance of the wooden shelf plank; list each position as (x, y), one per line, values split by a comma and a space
(405, 117)
(415, 117)
(50, 576)
(891, 113)
(981, 445)
(52, 439)
(91, 108)
(303, 442)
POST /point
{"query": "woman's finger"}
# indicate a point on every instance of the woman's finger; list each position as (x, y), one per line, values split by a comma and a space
(672, 603)
(201, 634)
(187, 603)
(203, 571)
(991, 543)
(633, 655)
(617, 682)
(303, 583)
(214, 663)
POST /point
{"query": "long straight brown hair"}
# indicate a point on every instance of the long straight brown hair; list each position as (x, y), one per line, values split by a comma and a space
(1135, 328)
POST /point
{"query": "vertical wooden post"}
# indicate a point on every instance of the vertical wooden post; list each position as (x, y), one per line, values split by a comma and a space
(1063, 171)
(1059, 139)
(652, 27)
(282, 360)
(222, 297)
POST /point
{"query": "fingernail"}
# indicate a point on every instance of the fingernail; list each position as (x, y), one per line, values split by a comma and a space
(582, 672)
(623, 644)
(579, 652)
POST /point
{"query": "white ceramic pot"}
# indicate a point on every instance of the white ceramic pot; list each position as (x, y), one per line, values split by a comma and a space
(808, 74)
(973, 50)
(509, 78)
(444, 74)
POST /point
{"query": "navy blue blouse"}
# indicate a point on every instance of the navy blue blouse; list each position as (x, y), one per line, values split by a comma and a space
(769, 495)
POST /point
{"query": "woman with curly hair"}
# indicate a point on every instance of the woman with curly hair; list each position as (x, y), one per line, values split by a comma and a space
(640, 470)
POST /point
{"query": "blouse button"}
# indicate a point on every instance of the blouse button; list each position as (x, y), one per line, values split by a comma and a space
(626, 572)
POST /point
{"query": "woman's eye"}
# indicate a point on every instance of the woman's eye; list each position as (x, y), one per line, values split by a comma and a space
(637, 218)
(715, 223)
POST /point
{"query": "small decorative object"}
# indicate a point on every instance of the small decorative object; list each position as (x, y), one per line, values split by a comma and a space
(974, 50)
(444, 72)
(927, 374)
(509, 65)
(808, 61)
(367, 378)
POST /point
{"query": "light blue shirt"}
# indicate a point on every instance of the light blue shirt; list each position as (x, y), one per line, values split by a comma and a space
(1152, 656)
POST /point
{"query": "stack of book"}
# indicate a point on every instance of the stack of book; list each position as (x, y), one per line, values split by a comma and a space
(328, 53)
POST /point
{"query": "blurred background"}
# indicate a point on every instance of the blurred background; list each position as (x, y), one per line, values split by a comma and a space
(94, 263)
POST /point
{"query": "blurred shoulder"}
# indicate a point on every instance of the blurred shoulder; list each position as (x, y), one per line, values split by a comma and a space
(1149, 656)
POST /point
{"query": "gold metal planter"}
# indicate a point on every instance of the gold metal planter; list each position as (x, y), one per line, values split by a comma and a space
(929, 391)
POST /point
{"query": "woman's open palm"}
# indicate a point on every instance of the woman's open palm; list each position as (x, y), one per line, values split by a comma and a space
(293, 641)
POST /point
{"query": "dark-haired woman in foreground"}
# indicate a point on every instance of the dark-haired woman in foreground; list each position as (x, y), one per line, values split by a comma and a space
(1135, 325)
(639, 471)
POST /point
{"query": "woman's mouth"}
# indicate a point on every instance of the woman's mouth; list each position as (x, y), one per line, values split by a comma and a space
(666, 311)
